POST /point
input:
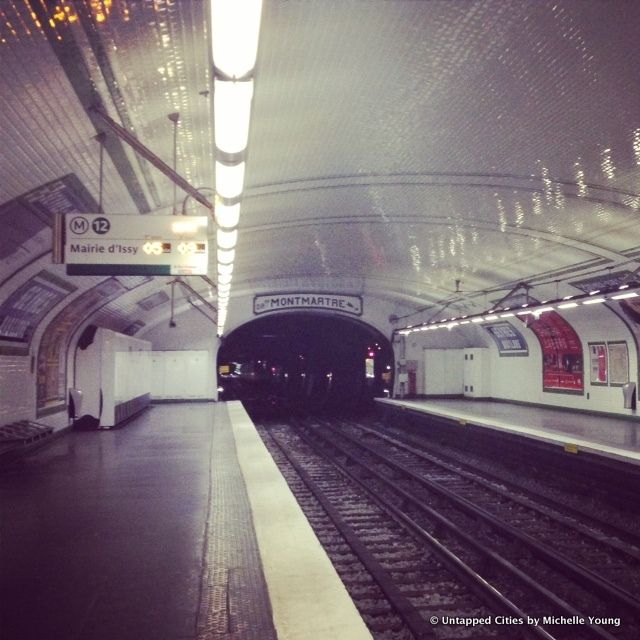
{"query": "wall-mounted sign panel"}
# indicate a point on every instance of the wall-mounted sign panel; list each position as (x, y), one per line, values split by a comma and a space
(628, 310)
(324, 301)
(135, 245)
(618, 363)
(508, 339)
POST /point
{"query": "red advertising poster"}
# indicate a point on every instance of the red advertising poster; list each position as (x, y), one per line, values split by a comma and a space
(599, 368)
(562, 362)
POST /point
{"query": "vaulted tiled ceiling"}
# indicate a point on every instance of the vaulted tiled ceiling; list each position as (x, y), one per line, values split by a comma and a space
(395, 146)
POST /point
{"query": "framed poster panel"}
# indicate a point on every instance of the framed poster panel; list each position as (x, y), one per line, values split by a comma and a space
(562, 358)
(618, 353)
(629, 312)
(599, 363)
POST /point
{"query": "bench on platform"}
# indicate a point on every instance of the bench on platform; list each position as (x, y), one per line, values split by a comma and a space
(20, 435)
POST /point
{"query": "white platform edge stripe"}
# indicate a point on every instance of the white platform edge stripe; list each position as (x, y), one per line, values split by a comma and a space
(308, 599)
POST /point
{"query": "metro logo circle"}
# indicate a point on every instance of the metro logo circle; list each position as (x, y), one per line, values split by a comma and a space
(101, 225)
(79, 225)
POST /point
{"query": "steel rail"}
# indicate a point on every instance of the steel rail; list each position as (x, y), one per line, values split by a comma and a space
(400, 603)
(623, 535)
(476, 582)
(442, 522)
(580, 574)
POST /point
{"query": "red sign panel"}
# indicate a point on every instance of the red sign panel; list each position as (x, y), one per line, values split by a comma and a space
(562, 360)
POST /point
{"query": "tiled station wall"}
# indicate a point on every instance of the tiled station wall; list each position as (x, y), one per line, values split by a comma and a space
(184, 358)
(520, 378)
(182, 375)
(193, 333)
(17, 389)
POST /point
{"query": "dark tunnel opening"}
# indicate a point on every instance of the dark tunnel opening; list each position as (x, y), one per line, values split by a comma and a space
(300, 363)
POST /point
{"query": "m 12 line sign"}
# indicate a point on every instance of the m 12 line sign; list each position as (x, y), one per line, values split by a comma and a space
(135, 245)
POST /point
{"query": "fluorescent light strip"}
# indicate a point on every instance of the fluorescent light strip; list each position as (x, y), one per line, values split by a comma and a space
(225, 268)
(229, 179)
(235, 31)
(530, 309)
(227, 239)
(226, 256)
(227, 217)
(232, 113)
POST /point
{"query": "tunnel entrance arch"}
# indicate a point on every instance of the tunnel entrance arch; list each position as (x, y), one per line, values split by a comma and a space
(305, 362)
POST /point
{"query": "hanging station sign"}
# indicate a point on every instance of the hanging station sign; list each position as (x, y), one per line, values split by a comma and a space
(95, 244)
(312, 300)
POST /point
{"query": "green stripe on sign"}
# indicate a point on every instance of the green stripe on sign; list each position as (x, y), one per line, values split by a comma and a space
(118, 270)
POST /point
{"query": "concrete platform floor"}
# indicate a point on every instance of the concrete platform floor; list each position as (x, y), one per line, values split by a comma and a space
(112, 534)
(598, 434)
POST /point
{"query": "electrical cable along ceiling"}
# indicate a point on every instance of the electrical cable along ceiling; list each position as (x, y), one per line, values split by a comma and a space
(389, 147)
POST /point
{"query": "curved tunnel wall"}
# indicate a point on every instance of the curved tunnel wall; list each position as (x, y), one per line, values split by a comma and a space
(48, 312)
(519, 379)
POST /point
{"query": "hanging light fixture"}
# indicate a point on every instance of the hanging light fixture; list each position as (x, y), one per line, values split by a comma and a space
(623, 292)
(229, 180)
(235, 31)
(232, 112)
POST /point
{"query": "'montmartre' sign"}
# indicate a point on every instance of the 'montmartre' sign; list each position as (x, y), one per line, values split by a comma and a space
(324, 301)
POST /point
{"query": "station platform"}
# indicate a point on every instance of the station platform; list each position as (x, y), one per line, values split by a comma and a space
(599, 435)
(177, 526)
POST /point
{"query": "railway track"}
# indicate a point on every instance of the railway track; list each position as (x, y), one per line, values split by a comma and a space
(583, 480)
(397, 583)
(439, 567)
(583, 569)
(597, 519)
